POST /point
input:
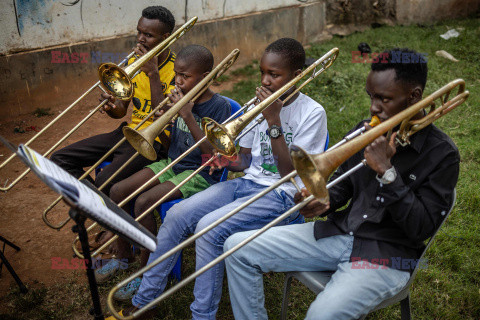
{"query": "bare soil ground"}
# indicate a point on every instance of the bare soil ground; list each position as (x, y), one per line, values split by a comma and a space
(21, 207)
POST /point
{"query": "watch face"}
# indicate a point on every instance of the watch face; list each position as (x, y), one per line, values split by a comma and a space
(274, 132)
(390, 176)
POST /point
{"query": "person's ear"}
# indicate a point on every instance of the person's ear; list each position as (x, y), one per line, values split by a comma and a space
(205, 74)
(415, 95)
(165, 36)
(297, 72)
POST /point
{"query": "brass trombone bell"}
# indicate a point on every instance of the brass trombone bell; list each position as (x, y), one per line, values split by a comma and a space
(142, 140)
(116, 81)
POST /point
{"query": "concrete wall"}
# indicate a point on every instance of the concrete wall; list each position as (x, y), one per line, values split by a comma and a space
(55, 75)
(33, 24)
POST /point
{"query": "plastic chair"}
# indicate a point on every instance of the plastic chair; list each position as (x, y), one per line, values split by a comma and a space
(317, 280)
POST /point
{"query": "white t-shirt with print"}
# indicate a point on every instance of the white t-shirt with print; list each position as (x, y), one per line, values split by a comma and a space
(304, 123)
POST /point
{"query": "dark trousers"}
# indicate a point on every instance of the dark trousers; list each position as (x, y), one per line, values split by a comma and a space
(85, 153)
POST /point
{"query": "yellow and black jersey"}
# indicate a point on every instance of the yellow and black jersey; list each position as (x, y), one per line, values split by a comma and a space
(142, 100)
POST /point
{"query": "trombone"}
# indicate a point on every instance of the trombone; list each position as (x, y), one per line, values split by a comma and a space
(114, 80)
(146, 136)
(224, 141)
(117, 82)
(407, 129)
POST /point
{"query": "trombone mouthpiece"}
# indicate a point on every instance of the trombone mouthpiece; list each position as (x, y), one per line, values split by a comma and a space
(307, 169)
(374, 122)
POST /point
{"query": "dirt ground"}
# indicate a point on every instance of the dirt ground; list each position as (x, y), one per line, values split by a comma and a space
(22, 206)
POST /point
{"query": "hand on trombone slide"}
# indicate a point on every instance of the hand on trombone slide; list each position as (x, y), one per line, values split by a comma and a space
(221, 161)
(313, 208)
(110, 105)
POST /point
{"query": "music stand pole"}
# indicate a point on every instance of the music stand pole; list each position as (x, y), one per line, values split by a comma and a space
(4, 260)
(82, 234)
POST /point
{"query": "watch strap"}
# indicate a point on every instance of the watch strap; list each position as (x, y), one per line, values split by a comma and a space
(388, 176)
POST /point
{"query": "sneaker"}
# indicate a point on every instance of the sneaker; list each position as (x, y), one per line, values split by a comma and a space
(107, 271)
(127, 292)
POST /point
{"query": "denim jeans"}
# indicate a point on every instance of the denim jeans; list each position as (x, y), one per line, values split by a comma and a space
(351, 293)
(193, 215)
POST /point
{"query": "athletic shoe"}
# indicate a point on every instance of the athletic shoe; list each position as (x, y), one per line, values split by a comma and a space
(127, 292)
(107, 271)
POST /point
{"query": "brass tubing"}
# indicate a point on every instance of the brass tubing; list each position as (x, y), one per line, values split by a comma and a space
(105, 156)
(191, 240)
(448, 106)
(314, 170)
(194, 237)
(222, 137)
(51, 123)
(194, 94)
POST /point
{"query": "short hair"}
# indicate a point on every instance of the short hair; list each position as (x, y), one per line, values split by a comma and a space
(291, 49)
(199, 56)
(162, 14)
(410, 66)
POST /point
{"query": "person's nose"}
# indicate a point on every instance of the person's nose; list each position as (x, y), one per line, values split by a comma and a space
(375, 107)
(265, 80)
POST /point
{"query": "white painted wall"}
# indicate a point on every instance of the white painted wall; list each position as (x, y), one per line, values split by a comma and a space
(35, 24)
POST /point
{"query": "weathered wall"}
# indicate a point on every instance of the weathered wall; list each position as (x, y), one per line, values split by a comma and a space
(33, 24)
(55, 75)
(428, 11)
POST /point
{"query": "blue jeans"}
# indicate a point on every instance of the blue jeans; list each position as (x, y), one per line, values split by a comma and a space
(193, 215)
(351, 292)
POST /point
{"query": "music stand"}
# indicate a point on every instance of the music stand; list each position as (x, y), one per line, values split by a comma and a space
(79, 228)
(22, 287)
(86, 201)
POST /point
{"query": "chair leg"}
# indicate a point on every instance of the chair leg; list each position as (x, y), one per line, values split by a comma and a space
(286, 296)
(405, 308)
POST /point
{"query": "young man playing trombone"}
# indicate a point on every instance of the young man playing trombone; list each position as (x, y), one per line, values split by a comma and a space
(394, 204)
(151, 85)
(264, 159)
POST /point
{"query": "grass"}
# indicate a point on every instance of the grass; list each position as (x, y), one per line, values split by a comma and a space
(449, 287)
(42, 112)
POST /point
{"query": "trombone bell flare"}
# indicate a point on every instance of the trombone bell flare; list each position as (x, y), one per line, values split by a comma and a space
(139, 140)
(317, 182)
(116, 81)
(219, 137)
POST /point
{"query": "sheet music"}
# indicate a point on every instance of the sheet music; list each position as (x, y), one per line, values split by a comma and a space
(81, 196)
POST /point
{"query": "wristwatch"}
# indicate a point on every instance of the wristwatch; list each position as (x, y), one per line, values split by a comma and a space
(388, 176)
(274, 131)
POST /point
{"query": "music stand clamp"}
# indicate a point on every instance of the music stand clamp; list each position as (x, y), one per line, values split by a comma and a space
(4, 260)
(79, 228)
